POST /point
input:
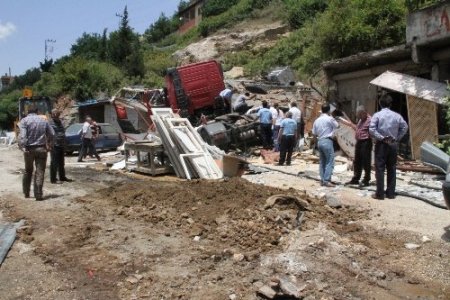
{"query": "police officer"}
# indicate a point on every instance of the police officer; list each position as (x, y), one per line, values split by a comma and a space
(287, 138)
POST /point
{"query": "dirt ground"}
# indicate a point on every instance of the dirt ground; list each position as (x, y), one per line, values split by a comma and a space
(119, 236)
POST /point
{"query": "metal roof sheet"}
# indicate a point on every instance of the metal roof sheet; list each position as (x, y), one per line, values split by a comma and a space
(414, 86)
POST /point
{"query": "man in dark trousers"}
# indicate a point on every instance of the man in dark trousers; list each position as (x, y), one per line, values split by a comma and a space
(387, 128)
(287, 138)
(363, 147)
(265, 119)
(35, 139)
(58, 151)
(86, 140)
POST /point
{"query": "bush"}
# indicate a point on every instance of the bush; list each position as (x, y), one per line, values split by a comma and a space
(9, 108)
(300, 11)
(242, 10)
(216, 7)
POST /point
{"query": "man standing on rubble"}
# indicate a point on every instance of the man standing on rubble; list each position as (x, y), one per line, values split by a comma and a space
(323, 130)
(57, 153)
(265, 119)
(363, 147)
(35, 140)
(287, 137)
(387, 128)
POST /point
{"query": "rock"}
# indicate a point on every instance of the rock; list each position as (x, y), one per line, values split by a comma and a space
(132, 280)
(267, 291)
(196, 230)
(289, 288)
(196, 238)
(258, 284)
(286, 200)
(426, 239)
(235, 72)
(185, 215)
(232, 297)
(333, 202)
(238, 257)
(412, 246)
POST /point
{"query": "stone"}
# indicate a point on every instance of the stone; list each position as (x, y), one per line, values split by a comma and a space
(412, 246)
(333, 202)
(267, 291)
(238, 257)
(132, 280)
(185, 215)
(196, 238)
(235, 72)
(426, 239)
(289, 288)
(232, 297)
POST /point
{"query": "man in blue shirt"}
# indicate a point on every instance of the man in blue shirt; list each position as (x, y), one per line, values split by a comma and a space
(286, 138)
(387, 128)
(323, 129)
(265, 119)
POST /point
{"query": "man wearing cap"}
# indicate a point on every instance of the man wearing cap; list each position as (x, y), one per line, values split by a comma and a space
(323, 129)
(35, 140)
(387, 128)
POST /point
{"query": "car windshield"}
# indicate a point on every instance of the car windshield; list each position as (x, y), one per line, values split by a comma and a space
(73, 129)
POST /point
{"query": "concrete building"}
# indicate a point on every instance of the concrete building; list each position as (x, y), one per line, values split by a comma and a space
(424, 59)
(6, 81)
(191, 15)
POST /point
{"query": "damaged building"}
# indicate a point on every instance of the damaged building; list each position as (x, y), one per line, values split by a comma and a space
(414, 73)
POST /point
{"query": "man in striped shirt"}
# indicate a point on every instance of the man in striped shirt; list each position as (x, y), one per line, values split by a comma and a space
(363, 148)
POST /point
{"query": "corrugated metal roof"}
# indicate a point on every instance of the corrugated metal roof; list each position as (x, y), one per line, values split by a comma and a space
(414, 86)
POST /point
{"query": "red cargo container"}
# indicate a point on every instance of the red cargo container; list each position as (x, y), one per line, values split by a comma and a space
(193, 88)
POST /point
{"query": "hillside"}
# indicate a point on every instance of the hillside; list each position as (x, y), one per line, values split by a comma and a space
(256, 35)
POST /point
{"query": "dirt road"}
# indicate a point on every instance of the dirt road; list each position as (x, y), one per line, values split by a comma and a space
(111, 236)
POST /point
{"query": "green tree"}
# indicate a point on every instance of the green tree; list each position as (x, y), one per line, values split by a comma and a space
(46, 65)
(87, 46)
(161, 28)
(216, 7)
(300, 11)
(9, 108)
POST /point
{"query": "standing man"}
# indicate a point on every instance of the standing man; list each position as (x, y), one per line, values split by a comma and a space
(387, 128)
(286, 138)
(35, 139)
(86, 140)
(265, 119)
(323, 130)
(58, 151)
(363, 147)
(277, 117)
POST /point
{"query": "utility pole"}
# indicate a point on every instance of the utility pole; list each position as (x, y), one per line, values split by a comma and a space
(47, 41)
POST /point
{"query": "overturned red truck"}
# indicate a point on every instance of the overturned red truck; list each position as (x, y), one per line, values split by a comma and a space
(192, 91)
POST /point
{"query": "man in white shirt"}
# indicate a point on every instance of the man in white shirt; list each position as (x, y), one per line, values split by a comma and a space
(86, 140)
(323, 130)
(297, 117)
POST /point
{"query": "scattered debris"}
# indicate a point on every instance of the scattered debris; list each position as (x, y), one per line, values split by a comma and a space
(7, 237)
(412, 246)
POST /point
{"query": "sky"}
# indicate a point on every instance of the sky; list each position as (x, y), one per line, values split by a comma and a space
(26, 24)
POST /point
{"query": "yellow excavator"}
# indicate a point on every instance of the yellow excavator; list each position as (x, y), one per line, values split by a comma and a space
(42, 103)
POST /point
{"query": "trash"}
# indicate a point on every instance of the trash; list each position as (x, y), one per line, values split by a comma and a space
(412, 246)
(119, 165)
(7, 237)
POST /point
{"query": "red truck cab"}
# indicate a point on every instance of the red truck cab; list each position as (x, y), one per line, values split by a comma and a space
(193, 89)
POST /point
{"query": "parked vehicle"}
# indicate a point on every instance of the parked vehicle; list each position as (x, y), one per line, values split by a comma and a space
(108, 139)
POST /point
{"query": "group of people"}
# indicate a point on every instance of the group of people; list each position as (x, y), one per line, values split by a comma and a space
(280, 131)
(384, 130)
(37, 137)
